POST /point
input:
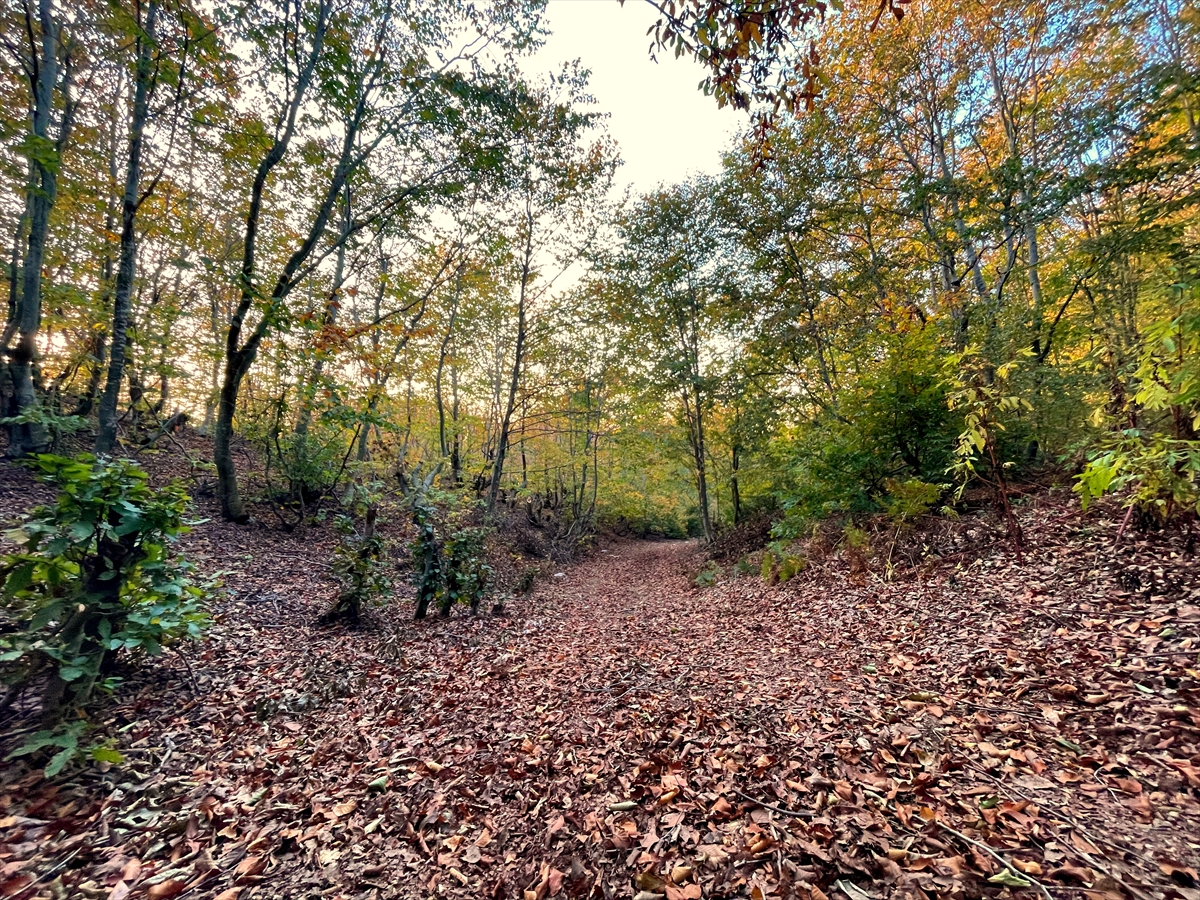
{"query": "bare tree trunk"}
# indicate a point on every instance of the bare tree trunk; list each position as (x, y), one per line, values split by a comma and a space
(106, 436)
(238, 357)
(41, 192)
(515, 382)
(734, 488)
(15, 277)
(455, 444)
(699, 453)
(232, 508)
(437, 384)
(99, 351)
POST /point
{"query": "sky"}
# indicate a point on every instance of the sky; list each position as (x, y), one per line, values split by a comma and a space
(665, 127)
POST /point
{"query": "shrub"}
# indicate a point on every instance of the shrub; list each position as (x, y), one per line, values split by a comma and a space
(528, 576)
(466, 575)
(894, 425)
(1162, 474)
(790, 566)
(94, 578)
(909, 499)
(67, 739)
(981, 393)
(51, 423)
(708, 575)
(449, 553)
(857, 546)
(358, 564)
(768, 566)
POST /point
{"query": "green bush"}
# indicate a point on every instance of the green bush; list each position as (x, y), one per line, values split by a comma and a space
(856, 538)
(895, 426)
(466, 574)
(790, 566)
(708, 575)
(94, 578)
(1161, 473)
(53, 424)
(358, 564)
(768, 567)
(449, 553)
(909, 499)
(67, 739)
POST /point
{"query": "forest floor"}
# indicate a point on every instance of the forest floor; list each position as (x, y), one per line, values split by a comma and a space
(983, 725)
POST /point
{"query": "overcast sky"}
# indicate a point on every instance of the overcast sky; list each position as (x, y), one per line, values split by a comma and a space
(665, 126)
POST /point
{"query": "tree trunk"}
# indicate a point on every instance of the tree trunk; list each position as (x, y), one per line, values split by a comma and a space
(99, 352)
(41, 191)
(515, 382)
(232, 509)
(455, 444)
(696, 434)
(106, 436)
(734, 488)
(437, 384)
(238, 358)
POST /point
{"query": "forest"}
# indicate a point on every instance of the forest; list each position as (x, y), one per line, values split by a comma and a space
(399, 507)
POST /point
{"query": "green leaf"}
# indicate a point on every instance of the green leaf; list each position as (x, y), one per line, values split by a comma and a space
(19, 579)
(40, 150)
(82, 531)
(1009, 878)
(46, 615)
(107, 754)
(59, 761)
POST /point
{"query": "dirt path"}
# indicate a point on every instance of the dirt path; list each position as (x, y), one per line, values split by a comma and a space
(609, 731)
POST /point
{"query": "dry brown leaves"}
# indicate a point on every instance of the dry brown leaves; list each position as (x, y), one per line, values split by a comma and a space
(1003, 726)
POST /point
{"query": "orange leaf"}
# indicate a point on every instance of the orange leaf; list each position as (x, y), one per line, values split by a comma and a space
(166, 889)
(722, 809)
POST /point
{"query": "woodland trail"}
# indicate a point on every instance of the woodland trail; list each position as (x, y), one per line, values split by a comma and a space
(609, 730)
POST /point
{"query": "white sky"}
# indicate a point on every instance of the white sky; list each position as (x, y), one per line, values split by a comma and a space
(665, 127)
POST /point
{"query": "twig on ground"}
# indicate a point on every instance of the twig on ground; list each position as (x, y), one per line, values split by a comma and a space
(52, 871)
(783, 811)
(166, 756)
(1124, 525)
(1132, 890)
(952, 700)
(191, 675)
(996, 856)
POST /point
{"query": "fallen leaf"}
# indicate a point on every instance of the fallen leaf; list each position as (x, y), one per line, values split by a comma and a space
(164, 890)
(648, 881)
(1009, 878)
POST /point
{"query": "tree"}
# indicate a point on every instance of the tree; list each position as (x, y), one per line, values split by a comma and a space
(755, 52)
(367, 68)
(557, 180)
(159, 56)
(47, 60)
(666, 296)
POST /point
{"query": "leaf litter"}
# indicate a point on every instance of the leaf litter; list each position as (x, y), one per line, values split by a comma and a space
(968, 728)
